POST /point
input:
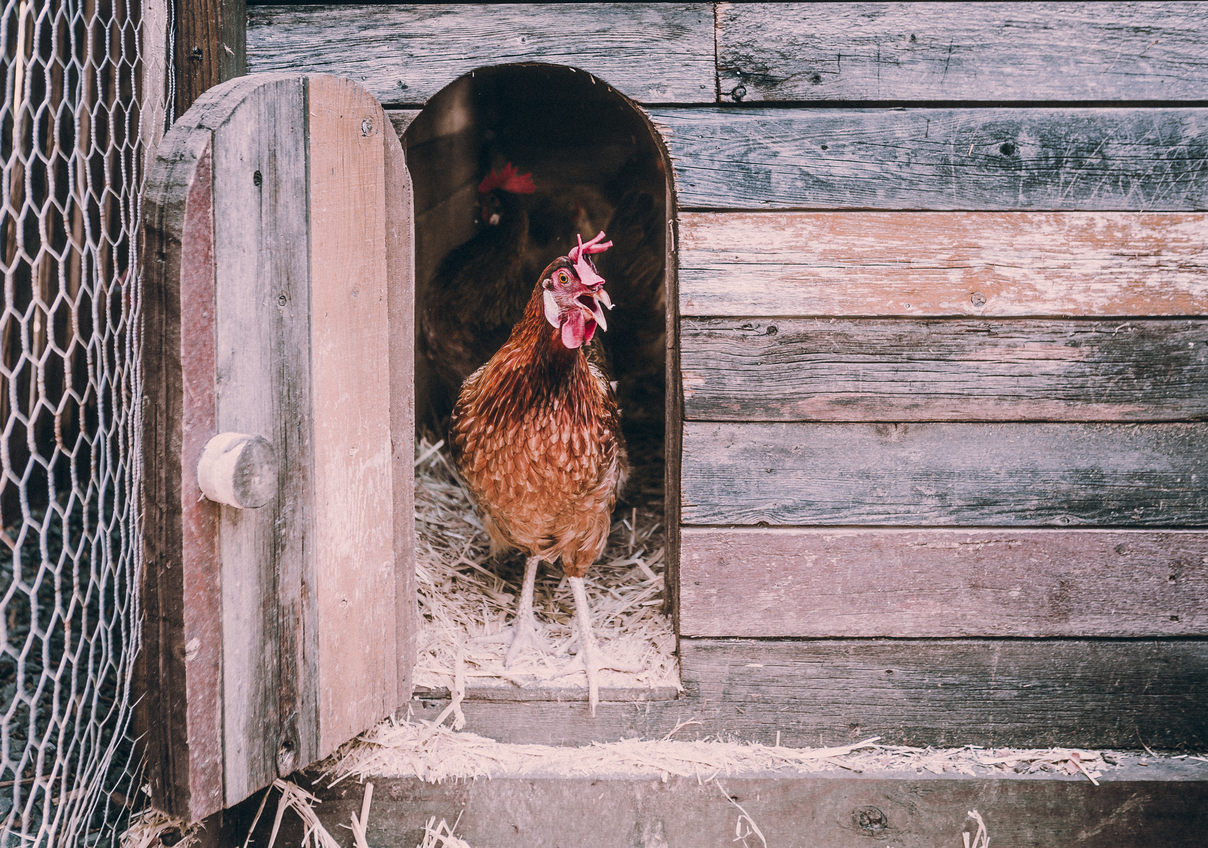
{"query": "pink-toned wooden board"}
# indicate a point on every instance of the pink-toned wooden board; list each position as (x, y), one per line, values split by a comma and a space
(991, 264)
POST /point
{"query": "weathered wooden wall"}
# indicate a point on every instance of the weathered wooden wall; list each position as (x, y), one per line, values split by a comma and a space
(942, 296)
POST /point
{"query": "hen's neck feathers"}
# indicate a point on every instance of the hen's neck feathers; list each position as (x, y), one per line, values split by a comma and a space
(534, 368)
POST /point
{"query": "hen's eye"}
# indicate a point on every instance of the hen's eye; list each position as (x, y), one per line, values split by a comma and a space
(563, 277)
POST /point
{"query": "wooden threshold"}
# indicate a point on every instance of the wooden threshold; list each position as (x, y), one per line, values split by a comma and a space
(1130, 808)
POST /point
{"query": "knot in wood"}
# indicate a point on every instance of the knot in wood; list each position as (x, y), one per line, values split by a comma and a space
(870, 819)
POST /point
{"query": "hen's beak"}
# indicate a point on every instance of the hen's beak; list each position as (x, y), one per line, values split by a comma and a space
(594, 301)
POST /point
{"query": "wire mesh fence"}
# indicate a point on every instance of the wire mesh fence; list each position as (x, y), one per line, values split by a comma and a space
(81, 113)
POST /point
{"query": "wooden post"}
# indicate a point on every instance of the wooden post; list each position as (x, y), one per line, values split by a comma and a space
(211, 46)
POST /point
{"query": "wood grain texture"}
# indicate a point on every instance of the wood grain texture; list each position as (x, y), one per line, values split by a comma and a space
(1058, 158)
(796, 369)
(986, 51)
(400, 295)
(1093, 693)
(652, 52)
(943, 263)
(1140, 810)
(210, 46)
(349, 349)
(1009, 474)
(1024, 693)
(236, 665)
(179, 717)
(818, 583)
(200, 562)
(263, 388)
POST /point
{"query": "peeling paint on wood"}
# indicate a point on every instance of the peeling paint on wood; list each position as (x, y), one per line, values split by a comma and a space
(1027, 693)
(1010, 474)
(943, 263)
(403, 54)
(1043, 158)
(844, 369)
(977, 51)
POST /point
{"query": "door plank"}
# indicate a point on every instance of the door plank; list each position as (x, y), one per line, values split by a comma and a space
(1002, 474)
(1043, 158)
(349, 348)
(841, 582)
(987, 52)
(182, 642)
(263, 302)
(943, 263)
(792, 369)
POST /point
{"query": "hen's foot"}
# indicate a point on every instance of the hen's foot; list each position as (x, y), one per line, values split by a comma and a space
(590, 657)
(525, 636)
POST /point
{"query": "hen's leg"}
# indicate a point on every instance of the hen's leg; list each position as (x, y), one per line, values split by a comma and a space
(524, 626)
(592, 657)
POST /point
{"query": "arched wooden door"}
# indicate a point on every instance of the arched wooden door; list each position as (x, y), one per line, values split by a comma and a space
(278, 313)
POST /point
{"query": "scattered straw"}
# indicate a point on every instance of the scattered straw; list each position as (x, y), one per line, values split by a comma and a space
(152, 829)
(441, 836)
(435, 754)
(981, 839)
(294, 797)
(745, 826)
(467, 601)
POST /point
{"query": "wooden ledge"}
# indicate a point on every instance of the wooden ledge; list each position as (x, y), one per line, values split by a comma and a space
(1163, 807)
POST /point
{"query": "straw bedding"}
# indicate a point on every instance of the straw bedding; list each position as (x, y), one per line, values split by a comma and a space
(467, 600)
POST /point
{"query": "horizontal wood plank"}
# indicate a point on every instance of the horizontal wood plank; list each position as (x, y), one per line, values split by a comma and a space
(1025, 693)
(1021, 693)
(924, 810)
(1050, 158)
(1002, 474)
(943, 263)
(797, 369)
(942, 583)
(986, 51)
(404, 54)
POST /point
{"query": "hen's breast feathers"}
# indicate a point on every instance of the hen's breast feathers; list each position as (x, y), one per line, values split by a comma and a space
(537, 437)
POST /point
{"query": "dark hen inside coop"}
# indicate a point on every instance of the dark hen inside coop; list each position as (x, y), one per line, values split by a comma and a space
(510, 165)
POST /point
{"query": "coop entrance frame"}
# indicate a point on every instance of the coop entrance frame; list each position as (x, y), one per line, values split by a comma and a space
(585, 144)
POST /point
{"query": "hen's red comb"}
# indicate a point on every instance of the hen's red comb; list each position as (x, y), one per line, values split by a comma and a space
(588, 248)
(578, 257)
(508, 180)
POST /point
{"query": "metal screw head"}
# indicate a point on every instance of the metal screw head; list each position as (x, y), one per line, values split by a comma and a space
(977, 299)
(870, 819)
(367, 128)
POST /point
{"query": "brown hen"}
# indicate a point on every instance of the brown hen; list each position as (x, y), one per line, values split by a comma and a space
(536, 436)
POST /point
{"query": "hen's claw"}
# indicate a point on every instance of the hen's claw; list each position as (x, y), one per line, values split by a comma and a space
(525, 636)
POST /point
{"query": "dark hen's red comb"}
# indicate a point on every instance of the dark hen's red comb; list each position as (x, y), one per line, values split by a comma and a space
(508, 180)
